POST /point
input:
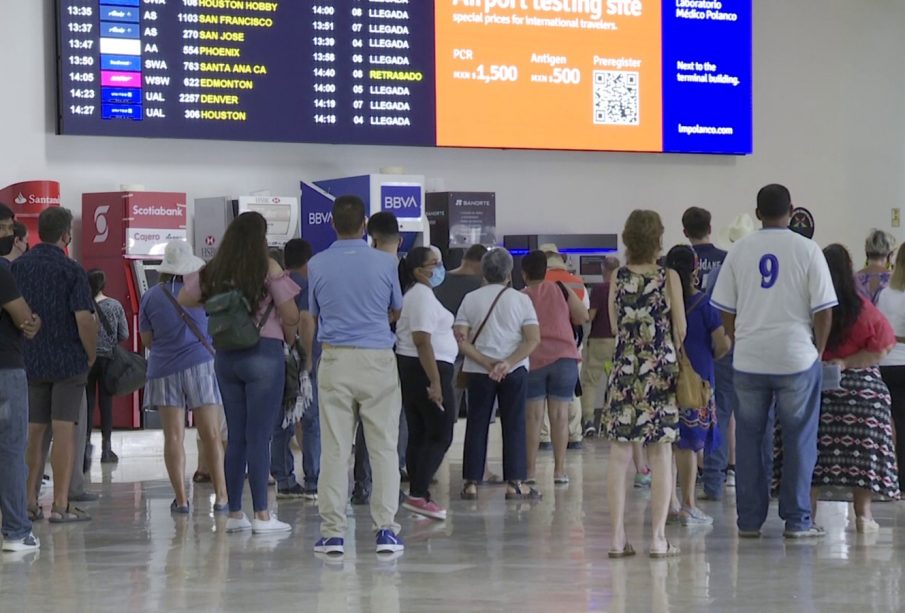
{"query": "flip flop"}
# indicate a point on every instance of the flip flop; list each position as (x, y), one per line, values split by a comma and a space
(627, 552)
(70, 516)
(671, 552)
(518, 494)
(35, 513)
(200, 477)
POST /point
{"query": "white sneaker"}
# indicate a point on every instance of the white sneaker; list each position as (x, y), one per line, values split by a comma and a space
(237, 524)
(29, 543)
(270, 526)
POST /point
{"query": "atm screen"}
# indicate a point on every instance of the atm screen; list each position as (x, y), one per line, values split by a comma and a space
(591, 265)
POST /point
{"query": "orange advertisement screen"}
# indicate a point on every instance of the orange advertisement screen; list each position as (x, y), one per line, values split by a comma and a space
(549, 74)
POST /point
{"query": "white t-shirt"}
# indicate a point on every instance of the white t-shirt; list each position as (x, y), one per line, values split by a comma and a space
(891, 302)
(422, 312)
(774, 280)
(503, 332)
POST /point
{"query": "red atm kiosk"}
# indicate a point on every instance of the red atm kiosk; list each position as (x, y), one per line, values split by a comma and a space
(28, 200)
(124, 234)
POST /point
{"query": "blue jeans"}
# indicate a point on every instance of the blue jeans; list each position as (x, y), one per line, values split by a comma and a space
(13, 440)
(282, 463)
(512, 394)
(797, 407)
(717, 460)
(251, 383)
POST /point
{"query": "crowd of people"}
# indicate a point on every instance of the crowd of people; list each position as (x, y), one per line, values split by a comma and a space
(773, 368)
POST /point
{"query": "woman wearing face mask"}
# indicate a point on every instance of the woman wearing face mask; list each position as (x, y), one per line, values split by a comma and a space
(427, 350)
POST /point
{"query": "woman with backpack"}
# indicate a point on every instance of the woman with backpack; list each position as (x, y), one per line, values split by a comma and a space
(553, 374)
(251, 308)
(181, 374)
(113, 329)
(705, 341)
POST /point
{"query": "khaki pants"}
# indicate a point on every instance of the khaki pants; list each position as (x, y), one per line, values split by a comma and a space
(358, 384)
(598, 354)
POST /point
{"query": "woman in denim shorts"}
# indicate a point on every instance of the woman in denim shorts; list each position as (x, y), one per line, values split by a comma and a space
(181, 373)
(554, 364)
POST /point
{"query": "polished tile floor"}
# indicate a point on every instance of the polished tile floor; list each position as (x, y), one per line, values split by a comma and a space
(489, 555)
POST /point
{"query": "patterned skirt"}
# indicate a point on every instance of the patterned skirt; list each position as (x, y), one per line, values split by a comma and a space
(855, 443)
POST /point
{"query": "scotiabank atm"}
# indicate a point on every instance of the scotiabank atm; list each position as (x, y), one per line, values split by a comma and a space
(124, 234)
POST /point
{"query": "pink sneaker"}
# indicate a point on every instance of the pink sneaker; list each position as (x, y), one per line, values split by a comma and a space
(425, 507)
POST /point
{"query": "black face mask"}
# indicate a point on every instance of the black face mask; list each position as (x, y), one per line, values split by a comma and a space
(6, 244)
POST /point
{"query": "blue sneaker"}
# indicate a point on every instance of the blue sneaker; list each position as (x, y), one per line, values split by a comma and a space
(330, 545)
(388, 542)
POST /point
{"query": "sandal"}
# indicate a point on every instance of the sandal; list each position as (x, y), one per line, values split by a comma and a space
(671, 552)
(70, 516)
(176, 509)
(627, 552)
(200, 477)
(35, 513)
(470, 491)
(518, 494)
(561, 480)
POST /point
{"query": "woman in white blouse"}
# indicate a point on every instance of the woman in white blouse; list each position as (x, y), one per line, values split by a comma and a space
(427, 350)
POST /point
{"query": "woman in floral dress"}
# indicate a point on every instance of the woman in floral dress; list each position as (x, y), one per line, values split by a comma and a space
(648, 313)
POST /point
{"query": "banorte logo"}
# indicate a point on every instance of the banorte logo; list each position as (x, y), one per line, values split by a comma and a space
(101, 227)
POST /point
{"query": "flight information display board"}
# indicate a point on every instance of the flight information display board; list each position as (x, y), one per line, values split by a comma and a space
(608, 75)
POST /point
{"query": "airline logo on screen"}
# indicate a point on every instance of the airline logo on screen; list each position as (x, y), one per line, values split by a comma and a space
(403, 201)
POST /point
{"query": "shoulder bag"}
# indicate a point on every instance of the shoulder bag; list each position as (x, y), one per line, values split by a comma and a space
(230, 321)
(187, 320)
(691, 390)
(127, 371)
(462, 379)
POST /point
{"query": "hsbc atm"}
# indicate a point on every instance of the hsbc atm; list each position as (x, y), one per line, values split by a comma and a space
(401, 195)
(213, 215)
(124, 234)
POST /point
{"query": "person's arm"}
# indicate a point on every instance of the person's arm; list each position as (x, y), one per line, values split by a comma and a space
(190, 294)
(469, 350)
(425, 349)
(611, 306)
(577, 310)
(592, 314)
(87, 325)
(823, 320)
(26, 320)
(290, 320)
(147, 339)
(122, 326)
(676, 308)
(307, 328)
(530, 341)
(729, 325)
(721, 343)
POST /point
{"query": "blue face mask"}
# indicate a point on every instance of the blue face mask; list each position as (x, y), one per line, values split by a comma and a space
(438, 276)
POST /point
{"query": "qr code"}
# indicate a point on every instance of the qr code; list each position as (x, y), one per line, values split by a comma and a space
(616, 98)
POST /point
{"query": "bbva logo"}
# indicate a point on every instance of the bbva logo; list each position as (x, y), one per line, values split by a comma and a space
(399, 202)
(101, 227)
(318, 218)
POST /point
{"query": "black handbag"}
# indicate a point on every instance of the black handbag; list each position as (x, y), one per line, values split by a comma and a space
(127, 372)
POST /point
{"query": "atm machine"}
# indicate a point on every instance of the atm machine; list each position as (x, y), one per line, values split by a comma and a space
(125, 234)
(213, 215)
(584, 252)
(402, 195)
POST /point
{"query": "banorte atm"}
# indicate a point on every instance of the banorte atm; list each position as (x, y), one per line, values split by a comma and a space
(213, 215)
(124, 234)
(401, 195)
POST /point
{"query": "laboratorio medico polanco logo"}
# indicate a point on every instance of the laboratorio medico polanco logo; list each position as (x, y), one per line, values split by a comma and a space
(101, 227)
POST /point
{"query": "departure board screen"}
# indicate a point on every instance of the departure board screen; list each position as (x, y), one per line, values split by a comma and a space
(608, 75)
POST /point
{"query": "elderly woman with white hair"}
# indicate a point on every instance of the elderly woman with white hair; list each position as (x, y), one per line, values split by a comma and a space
(873, 278)
(497, 329)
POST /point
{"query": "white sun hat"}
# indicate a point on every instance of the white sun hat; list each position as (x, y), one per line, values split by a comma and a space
(741, 226)
(179, 260)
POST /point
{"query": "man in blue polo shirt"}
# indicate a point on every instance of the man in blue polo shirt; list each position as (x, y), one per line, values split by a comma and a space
(352, 288)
